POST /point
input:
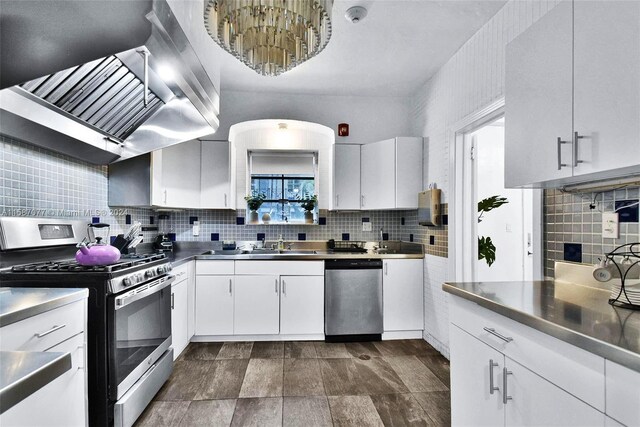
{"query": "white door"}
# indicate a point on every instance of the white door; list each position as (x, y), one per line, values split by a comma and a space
(606, 85)
(378, 171)
(511, 227)
(347, 177)
(302, 305)
(538, 100)
(476, 390)
(257, 305)
(402, 294)
(179, 308)
(214, 305)
(215, 182)
(537, 402)
(181, 175)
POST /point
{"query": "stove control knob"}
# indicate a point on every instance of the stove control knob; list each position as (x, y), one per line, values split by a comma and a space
(169, 267)
(140, 277)
(160, 270)
(148, 273)
(127, 281)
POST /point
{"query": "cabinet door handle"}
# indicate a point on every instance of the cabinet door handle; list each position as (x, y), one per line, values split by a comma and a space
(492, 365)
(362, 200)
(576, 138)
(386, 269)
(173, 300)
(165, 197)
(50, 331)
(276, 286)
(229, 286)
(493, 332)
(337, 200)
(284, 287)
(505, 394)
(225, 200)
(560, 164)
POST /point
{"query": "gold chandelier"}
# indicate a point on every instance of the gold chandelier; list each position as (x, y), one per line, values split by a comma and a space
(270, 36)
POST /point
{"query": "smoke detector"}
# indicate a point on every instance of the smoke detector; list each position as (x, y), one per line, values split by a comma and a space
(355, 14)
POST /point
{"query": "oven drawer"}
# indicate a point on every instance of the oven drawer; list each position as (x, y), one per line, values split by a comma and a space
(41, 332)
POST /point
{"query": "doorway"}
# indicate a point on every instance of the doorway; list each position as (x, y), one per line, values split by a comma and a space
(513, 227)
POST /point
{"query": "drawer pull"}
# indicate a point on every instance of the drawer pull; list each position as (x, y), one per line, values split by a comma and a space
(502, 337)
(505, 394)
(492, 365)
(50, 331)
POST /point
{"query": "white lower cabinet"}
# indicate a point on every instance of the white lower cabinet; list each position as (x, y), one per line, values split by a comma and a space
(214, 305)
(179, 317)
(474, 398)
(402, 290)
(256, 305)
(534, 401)
(622, 394)
(490, 389)
(302, 305)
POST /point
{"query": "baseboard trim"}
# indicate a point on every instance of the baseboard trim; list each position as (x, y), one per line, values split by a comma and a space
(402, 335)
(234, 338)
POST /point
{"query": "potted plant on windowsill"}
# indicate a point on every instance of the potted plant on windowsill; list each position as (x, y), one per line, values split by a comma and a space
(254, 201)
(309, 205)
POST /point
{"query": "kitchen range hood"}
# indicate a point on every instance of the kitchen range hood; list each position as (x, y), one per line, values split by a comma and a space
(113, 107)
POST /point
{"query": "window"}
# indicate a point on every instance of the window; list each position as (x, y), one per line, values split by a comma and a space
(286, 180)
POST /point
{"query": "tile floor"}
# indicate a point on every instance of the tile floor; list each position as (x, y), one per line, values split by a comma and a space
(391, 383)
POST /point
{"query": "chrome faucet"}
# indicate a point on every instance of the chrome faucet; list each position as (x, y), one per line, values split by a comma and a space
(381, 238)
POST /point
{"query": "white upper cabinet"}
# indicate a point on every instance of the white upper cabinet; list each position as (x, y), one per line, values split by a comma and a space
(573, 95)
(606, 85)
(346, 183)
(176, 176)
(217, 172)
(378, 171)
(538, 101)
(391, 174)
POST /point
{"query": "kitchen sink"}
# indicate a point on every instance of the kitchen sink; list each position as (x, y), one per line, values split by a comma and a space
(225, 252)
(260, 251)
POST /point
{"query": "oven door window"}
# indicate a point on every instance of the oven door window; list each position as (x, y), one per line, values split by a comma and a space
(141, 327)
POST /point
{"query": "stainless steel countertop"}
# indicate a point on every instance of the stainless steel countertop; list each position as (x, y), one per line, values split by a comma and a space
(578, 315)
(23, 373)
(20, 303)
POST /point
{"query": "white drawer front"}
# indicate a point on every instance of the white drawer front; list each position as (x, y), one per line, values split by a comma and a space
(281, 268)
(623, 394)
(41, 332)
(214, 267)
(573, 369)
(62, 402)
(182, 271)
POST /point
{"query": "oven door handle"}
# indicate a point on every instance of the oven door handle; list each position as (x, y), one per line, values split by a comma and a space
(151, 288)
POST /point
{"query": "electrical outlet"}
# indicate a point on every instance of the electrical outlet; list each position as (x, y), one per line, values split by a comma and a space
(610, 227)
(366, 226)
(196, 228)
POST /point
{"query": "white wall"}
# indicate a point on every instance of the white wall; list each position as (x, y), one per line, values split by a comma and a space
(472, 79)
(370, 118)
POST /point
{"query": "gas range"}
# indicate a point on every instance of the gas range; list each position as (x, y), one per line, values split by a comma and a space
(129, 271)
(128, 340)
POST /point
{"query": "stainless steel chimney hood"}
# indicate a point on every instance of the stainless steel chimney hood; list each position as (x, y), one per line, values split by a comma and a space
(117, 106)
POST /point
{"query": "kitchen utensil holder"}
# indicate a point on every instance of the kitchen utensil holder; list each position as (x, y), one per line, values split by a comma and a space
(630, 251)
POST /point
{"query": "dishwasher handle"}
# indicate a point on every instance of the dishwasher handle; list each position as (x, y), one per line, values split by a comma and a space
(353, 264)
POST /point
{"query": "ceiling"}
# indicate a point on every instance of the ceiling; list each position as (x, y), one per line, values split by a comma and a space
(393, 51)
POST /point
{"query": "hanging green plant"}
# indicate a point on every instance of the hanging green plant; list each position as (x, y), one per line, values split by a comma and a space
(486, 248)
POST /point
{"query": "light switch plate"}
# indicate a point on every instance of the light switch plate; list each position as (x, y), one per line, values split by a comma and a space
(366, 226)
(196, 228)
(610, 225)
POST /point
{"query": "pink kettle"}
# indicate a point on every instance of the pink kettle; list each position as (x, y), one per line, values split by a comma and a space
(98, 252)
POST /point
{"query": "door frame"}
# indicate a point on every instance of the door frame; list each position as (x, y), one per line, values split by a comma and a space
(455, 136)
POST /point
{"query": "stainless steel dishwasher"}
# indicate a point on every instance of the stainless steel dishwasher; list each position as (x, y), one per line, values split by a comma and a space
(353, 300)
